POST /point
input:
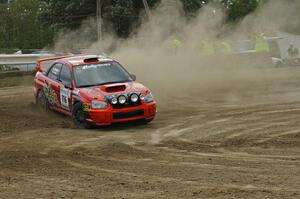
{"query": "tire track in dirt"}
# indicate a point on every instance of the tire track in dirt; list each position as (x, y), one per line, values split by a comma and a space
(208, 149)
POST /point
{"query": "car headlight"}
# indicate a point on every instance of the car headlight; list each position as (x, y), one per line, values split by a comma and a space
(148, 98)
(122, 99)
(134, 97)
(99, 105)
(142, 96)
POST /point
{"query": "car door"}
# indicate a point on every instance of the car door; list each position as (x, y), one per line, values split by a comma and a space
(65, 79)
(52, 88)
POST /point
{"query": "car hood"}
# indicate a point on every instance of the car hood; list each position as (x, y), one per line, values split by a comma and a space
(99, 92)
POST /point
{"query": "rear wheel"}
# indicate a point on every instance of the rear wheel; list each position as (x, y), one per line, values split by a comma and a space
(42, 101)
(79, 117)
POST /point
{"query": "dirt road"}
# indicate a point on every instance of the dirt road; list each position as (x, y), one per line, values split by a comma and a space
(230, 144)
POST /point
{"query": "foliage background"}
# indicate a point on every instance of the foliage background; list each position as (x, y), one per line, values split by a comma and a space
(33, 24)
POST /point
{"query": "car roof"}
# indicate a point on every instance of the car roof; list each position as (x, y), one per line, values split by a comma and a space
(86, 59)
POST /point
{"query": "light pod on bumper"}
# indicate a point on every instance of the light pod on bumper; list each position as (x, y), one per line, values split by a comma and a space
(134, 97)
(122, 99)
(114, 100)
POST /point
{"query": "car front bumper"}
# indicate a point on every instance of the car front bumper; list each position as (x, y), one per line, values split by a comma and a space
(146, 111)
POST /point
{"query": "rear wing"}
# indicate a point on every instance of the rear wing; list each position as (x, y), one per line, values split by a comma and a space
(43, 64)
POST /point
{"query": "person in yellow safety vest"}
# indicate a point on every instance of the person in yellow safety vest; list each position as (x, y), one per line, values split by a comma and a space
(261, 44)
(292, 52)
(207, 48)
(177, 44)
(226, 48)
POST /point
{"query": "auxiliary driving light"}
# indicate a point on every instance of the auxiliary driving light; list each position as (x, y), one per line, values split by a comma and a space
(114, 100)
(134, 97)
(122, 99)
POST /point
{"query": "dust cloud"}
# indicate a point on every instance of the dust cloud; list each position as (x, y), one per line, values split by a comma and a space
(171, 69)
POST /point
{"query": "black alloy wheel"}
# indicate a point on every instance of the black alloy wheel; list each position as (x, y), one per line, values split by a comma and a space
(79, 117)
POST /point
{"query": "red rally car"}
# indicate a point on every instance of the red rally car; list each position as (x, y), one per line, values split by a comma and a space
(93, 90)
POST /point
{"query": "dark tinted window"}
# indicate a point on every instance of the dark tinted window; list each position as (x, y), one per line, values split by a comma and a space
(99, 74)
(55, 71)
(65, 76)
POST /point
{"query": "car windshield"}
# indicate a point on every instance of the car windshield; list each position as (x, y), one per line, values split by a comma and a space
(99, 74)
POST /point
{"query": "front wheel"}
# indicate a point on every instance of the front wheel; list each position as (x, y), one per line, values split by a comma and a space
(79, 117)
(147, 121)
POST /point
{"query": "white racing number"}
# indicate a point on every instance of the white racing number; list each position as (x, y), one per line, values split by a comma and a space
(64, 97)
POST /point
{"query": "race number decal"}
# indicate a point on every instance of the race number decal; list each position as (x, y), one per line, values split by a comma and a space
(64, 97)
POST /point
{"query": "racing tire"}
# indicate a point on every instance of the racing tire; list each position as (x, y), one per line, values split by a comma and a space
(79, 117)
(145, 122)
(42, 101)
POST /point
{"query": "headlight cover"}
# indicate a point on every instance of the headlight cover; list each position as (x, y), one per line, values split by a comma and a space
(134, 98)
(99, 105)
(122, 99)
(148, 98)
(114, 100)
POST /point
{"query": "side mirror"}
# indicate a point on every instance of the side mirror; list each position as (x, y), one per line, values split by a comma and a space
(68, 87)
(39, 68)
(133, 77)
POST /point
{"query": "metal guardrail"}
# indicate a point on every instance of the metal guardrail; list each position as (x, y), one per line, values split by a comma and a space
(21, 57)
(23, 62)
(22, 66)
(15, 74)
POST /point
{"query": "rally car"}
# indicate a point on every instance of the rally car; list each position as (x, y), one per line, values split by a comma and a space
(93, 90)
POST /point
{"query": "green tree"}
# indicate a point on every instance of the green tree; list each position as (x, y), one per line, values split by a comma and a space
(20, 27)
(67, 14)
(191, 7)
(4, 31)
(121, 14)
(238, 9)
(33, 23)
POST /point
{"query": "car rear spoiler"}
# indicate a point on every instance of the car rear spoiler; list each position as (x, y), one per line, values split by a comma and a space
(41, 68)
